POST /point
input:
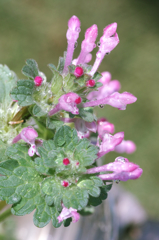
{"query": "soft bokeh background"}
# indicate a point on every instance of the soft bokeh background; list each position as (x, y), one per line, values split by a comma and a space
(37, 29)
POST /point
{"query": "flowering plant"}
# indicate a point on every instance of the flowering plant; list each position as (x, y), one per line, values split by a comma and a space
(51, 139)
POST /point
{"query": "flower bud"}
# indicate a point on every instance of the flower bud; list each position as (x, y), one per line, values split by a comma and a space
(38, 81)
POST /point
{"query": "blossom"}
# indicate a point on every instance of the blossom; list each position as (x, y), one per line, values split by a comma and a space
(88, 44)
(107, 89)
(67, 213)
(67, 102)
(117, 100)
(109, 143)
(104, 127)
(83, 128)
(72, 36)
(108, 42)
(122, 170)
(29, 135)
(126, 146)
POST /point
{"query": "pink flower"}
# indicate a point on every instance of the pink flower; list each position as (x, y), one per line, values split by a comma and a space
(126, 146)
(117, 100)
(88, 44)
(122, 170)
(67, 102)
(67, 213)
(108, 42)
(119, 165)
(72, 36)
(109, 143)
(29, 135)
(107, 89)
(122, 176)
(104, 127)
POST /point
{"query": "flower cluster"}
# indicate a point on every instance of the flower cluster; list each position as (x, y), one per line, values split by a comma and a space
(63, 137)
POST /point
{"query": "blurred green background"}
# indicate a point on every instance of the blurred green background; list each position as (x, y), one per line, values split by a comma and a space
(37, 29)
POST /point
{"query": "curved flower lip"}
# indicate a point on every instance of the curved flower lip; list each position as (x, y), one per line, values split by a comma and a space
(105, 127)
(29, 135)
(116, 167)
(117, 100)
(122, 176)
(67, 213)
(67, 102)
(109, 143)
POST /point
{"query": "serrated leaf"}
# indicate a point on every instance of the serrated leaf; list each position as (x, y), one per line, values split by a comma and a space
(7, 82)
(53, 123)
(23, 92)
(3, 147)
(75, 197)
(21, 186)
(95, 201)
(31, 69)
(42, 215)
(37, 111)
(86, 114)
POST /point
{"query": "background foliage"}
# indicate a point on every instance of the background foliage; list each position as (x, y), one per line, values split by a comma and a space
(36, 29)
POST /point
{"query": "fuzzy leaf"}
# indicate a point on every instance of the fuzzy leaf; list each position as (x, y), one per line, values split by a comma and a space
(23, 92)
(86, 114)
(53, 123)
(97, 76)
(21, 186)
(7, 82)
(37, 111)
(61, 64)
(31, 69)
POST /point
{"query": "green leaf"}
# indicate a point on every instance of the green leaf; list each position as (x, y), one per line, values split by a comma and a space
(31, 69)
(97, 76)
(21, 186)
(98, 84)
(61, 64)
(52, 123)
(95, 201)
(75, 197)
(3, 147)
(57, 81)
(86, 114)
(23, 92)
(7, 82)
(37, 111)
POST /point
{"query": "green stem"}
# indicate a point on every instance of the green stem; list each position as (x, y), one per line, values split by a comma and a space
(2, 204)
(5, 214)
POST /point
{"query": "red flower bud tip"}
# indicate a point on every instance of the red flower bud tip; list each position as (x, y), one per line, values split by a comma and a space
(38, 81)
(65, 184)
(66, 161)
(78, 72)
(78, 100)
(90, 83)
